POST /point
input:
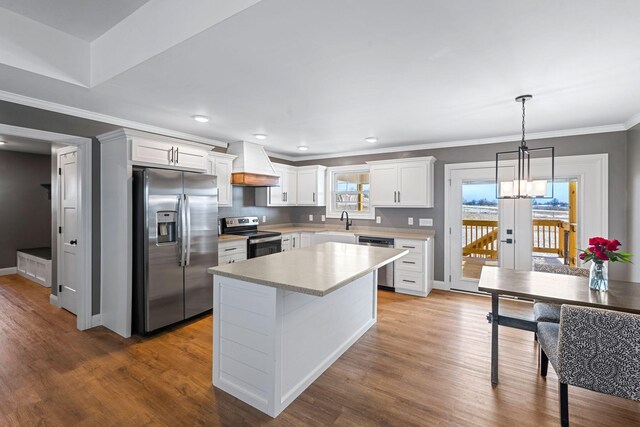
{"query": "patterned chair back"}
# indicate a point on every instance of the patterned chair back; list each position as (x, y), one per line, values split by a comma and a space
(561, 269)
(600, 350)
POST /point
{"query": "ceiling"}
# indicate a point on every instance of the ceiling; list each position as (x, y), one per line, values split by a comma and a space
(84, 19)
(24, 145)
(328, 74)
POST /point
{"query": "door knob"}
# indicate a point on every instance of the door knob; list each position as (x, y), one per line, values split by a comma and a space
(507, 241)
(73, 242)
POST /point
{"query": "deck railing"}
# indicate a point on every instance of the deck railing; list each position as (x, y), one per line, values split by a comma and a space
(550, 236)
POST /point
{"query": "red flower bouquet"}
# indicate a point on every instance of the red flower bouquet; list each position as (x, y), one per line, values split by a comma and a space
(601, 250)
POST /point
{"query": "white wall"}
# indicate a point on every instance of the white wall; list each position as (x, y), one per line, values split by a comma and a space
(633, 214)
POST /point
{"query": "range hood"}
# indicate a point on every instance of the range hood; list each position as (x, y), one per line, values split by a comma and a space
(252, 167)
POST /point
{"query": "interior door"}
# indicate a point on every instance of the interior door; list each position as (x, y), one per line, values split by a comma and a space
(68, 229)
(483, 230)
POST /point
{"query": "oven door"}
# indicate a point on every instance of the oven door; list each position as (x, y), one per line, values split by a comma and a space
(265, 246)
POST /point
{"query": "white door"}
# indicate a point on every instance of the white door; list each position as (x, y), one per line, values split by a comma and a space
(223, 172)
(384, 185)
(291, 180)
(276, 194)
(187, 156)
(68, 229)
(412, 183)
(307, 187)
(148, 151)
(483, 230)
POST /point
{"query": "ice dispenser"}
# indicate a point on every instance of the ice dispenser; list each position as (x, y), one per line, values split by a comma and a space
(167, 227)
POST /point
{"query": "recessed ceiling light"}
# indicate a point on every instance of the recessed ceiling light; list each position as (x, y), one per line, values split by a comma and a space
(303, 147)
(260, 136)
(371, 139)
(201, 119)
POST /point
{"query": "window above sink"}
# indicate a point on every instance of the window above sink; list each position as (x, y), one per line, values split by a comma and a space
(349, 190)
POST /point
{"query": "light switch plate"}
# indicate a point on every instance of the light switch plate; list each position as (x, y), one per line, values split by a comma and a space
(323, 218)
(426, 222)
(410, 221)
(310, 217)
(378, 220)
(264, 218)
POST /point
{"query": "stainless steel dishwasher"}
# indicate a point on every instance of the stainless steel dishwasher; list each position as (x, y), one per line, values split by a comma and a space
(385, 273)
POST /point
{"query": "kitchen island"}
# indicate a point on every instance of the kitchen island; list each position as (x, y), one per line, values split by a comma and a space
(281, 320)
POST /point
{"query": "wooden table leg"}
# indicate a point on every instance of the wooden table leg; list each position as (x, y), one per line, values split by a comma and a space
(494, 338)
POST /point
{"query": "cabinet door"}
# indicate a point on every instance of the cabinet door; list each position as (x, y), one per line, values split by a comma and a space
(223, 174)
(295, 240)
(148, 151)
(305, 240)
(190, 157)
(384, 185)
(291, 188)
(287, 242)
(307, 187)
(276, 194)
(412, 185)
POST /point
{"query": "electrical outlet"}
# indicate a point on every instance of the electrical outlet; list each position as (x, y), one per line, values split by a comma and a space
(426, 222)
(310, 217)
(378, 220)
(410, 221)
(323, 218)
(264, 218)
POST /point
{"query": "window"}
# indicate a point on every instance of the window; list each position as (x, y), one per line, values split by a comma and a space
(349, 190)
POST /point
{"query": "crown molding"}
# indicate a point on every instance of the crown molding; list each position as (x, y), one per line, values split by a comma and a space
(98, 117)
(632, 121)
(461, 143)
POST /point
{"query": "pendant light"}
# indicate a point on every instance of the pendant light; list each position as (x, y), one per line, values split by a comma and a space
(542, 168)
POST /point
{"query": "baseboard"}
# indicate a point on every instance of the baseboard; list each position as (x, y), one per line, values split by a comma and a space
(53, 299)
(440, 284)
(96, 320)
(8, 270)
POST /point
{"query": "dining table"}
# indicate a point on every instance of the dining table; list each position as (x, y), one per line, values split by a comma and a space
(548, 287)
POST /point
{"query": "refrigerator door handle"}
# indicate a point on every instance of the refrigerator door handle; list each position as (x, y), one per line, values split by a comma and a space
(183, 231)
(187, 206)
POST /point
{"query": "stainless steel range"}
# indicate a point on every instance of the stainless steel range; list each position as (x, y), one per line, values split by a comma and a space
(259, 243)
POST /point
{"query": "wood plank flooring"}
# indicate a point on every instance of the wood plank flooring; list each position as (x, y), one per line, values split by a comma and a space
(426, 362)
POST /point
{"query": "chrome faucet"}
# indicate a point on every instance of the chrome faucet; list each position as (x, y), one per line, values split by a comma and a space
(349, 223)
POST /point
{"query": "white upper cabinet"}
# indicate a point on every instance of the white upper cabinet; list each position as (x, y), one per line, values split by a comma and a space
(221, 165)
(311, 184)
(402, 183)
(148, 151)
(285, 194)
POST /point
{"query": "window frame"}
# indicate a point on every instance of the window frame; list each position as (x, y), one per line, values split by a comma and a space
(331, 172)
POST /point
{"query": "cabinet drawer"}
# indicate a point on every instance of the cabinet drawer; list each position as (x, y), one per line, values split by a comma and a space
(229, 259)
(413, 246)
(409, 280)
(234, 248)
(410, 262)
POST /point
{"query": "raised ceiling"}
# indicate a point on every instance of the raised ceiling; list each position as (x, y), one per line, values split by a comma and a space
(327, 74)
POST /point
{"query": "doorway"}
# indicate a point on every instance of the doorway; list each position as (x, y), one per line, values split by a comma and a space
(73, 227)
(482, 230)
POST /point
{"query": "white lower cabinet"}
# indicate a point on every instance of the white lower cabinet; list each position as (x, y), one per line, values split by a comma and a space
(290, 241)
(231, 251)
(305, 240)
(413, 273)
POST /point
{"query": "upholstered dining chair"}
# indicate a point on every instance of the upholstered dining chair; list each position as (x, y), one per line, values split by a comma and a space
(594, 349)
(546, 311)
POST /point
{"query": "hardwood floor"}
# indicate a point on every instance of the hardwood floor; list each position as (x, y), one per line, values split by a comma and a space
(426, 362)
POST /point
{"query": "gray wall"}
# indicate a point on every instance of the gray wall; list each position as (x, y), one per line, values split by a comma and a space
(244, 201)
(615, 144)
(633, 213)
(25, 209)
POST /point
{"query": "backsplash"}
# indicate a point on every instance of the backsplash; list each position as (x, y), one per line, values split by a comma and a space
(244, 201)
(389, 217)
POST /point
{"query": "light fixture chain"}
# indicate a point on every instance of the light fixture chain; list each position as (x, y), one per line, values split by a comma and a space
(523, 140)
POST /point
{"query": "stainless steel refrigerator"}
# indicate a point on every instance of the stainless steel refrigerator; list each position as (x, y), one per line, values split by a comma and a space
(175, 241)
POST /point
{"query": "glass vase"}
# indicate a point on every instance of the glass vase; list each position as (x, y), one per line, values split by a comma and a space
(599, 277)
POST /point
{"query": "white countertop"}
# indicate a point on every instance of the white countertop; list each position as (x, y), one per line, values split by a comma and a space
(316, 270)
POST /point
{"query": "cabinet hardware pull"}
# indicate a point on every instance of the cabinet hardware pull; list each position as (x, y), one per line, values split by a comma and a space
(230, 249)
(177, 152)
(395, 197)
(409, 281)
(408, 262)
(170, 155)
(314, 197)
(398, 197)
(409, 247)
